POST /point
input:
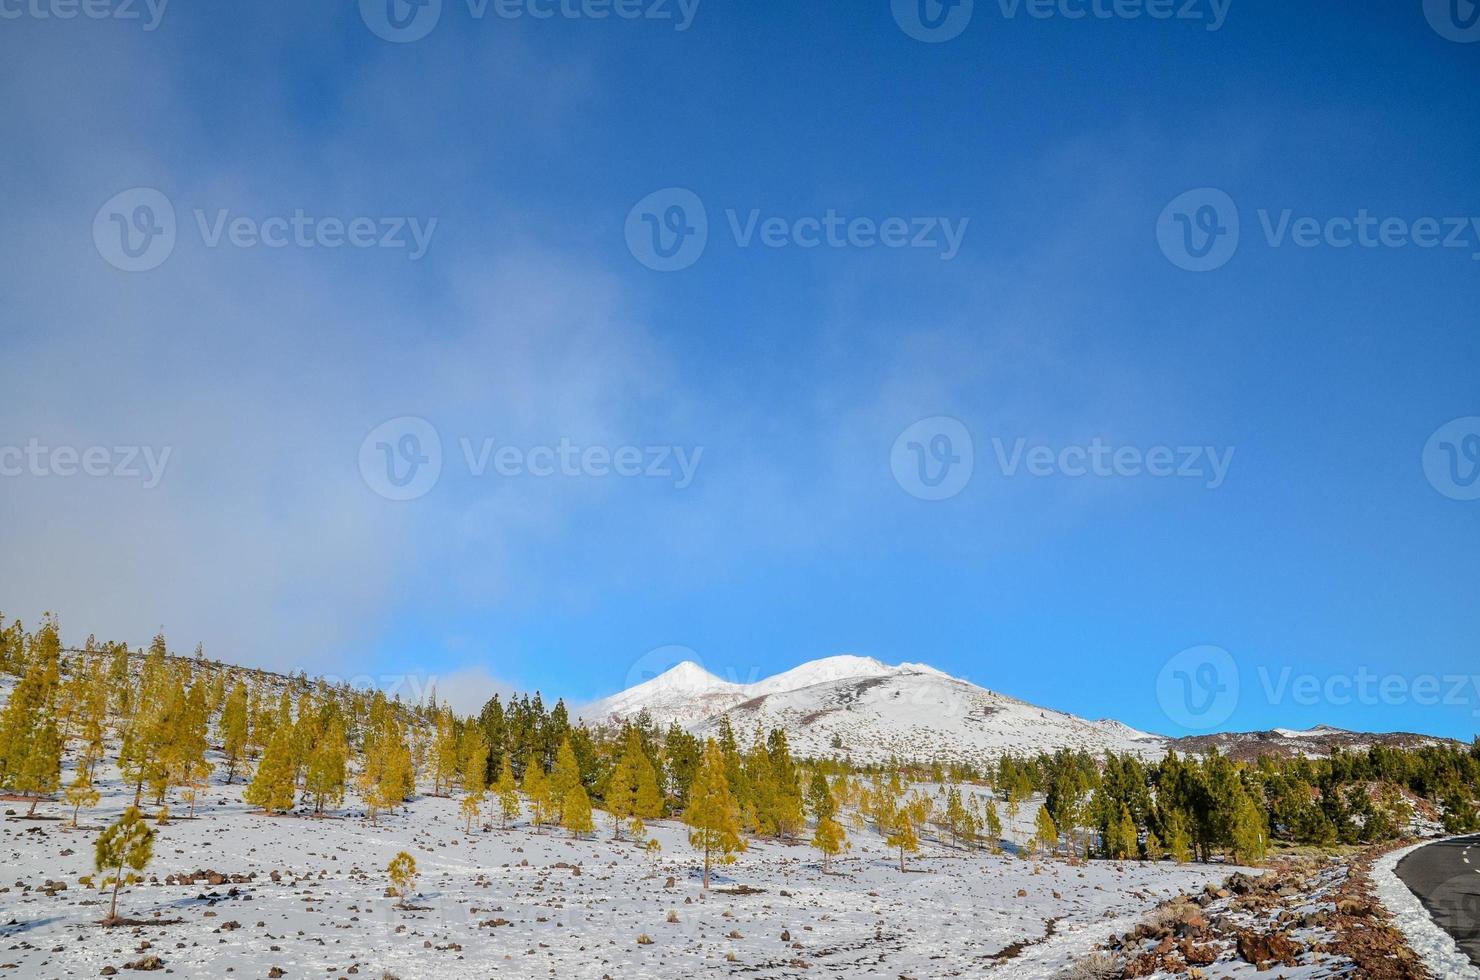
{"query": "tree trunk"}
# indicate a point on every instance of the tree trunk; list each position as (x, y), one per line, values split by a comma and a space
(34, 800)
(706, 867)
(117, 882)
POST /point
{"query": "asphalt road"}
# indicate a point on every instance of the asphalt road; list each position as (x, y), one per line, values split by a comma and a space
(1446, 878)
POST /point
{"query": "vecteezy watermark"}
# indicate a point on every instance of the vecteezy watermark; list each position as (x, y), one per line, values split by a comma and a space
(933, 459)
(668, 230)
(1370, 689)
(1199, 230)
(934, 21)
(1198, 689)
(1099, 459)
(144, 463)
(1454, 20)
(136, 230)
(1451, 459)
(401, 459)
(403, 21)
(565, 458)
(148, 12)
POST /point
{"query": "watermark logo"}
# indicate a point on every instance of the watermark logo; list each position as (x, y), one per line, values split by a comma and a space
(134, 230)
(146, 464)
(679, 464)
(1454, 20)
(401, 21)
(1451, 459)
(150, 12)
(668, 230)
(1199, 230)
(1097, 458)
(933, 459)
(1369, 689)
(932, 21)
(1198, 689)
(401, 459)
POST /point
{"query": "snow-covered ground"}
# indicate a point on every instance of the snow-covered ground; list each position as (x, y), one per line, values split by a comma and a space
(1435, 946)
(527, 904)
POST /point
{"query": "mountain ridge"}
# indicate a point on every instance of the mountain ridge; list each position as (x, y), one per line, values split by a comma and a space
(872, 711)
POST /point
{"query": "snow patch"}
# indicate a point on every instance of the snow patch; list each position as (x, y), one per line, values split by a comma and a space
(1433, 945)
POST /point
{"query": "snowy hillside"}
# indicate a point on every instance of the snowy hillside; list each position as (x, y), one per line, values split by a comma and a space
(871, 711)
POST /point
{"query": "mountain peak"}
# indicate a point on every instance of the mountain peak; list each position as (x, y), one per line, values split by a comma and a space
(687, 676)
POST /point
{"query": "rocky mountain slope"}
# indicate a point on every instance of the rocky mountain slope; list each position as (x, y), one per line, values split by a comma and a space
(872, 711)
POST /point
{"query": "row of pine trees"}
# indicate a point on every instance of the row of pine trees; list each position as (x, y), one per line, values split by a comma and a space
(302, 745)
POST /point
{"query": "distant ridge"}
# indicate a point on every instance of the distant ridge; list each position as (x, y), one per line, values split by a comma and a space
(871, 711)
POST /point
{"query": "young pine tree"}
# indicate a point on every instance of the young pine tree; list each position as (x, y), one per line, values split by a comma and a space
(508, 792)
(272, 788)
(80, 793)
(402, 873)
(234, 729)
(575, 811)
(30, 741)
(898, 823)
(1178, 842)
(471, 806)
(1046, 833)
(565, 777)
(993, 826)
(127, 844)
(327, 764)
(712, 813)
(537, 791)
(830, 839)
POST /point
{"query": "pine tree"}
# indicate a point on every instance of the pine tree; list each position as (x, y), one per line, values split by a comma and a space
(1250, 834)
(327, 764)
(994, 826)
(712, 812)
(444, 753)
(563, 778)
(830, 839)
(1179, 845)
(129, 844)
(470, 807)
(80, 793)
(272, 788)
(898, 824)
(1046, 833)
(474, 769)
(1122, 842)
(537, 791)
(575, 811)
(30, 740)
(234, 729)
(508, 792)
(402, 873)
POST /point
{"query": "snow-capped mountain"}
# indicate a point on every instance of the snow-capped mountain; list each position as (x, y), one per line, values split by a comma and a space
(870, 710)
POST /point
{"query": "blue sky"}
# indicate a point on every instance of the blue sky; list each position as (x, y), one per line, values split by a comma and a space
(1326, 551)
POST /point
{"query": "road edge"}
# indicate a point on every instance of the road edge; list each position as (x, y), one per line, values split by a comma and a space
(1435, 947)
